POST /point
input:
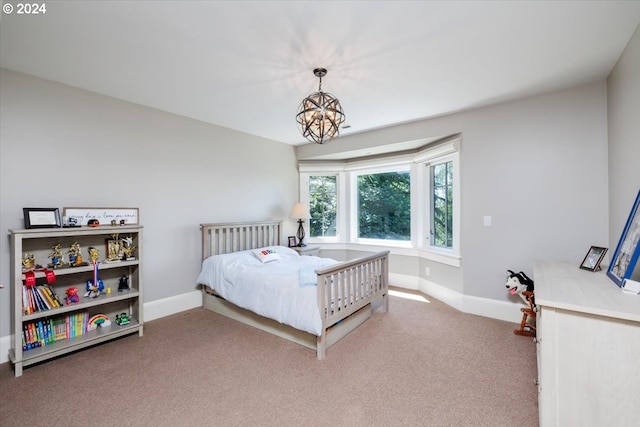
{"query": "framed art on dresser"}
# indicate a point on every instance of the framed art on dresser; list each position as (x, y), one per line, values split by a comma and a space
(628, 250)
(593, 258)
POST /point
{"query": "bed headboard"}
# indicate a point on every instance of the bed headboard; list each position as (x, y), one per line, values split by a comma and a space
(224, 238)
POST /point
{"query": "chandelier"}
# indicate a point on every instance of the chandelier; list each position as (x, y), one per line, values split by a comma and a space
(320, 114)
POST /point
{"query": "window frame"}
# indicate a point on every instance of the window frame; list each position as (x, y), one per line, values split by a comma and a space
(427, 245)
(341, 214)
(353, 220)
(417, 163)
(307, 200)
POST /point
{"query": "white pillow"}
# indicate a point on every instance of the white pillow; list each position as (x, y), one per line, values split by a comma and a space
(266, 254)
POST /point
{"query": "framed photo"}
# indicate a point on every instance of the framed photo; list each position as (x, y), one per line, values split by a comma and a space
(628, 250)
(41, 218)
(292, 241)
(593, 258)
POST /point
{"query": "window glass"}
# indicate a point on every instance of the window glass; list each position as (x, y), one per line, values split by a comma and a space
(442, 205)
(384, 206)
(323, 206)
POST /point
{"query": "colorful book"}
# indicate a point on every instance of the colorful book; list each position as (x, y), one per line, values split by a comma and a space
(26, 307)
(60, 327)
(54, 295)
(43, 300)
(39, 305)
(46, 293)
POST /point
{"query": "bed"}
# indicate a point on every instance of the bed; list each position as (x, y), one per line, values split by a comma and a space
(341, 294)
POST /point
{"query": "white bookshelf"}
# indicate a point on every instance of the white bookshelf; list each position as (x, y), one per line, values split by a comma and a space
(111, 302)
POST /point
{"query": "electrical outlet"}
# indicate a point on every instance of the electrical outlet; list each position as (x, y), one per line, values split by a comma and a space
(426, 271)
(487, 221)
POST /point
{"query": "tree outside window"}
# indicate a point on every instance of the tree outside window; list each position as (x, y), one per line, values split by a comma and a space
(442, 205)
(384, 206)
(323, 205)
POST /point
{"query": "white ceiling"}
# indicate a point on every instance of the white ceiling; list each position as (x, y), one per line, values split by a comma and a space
(246, 65)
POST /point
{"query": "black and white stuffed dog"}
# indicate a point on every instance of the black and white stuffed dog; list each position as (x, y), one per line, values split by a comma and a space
(518, 283)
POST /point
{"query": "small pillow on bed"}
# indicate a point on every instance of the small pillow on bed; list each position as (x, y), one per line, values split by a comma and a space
(266, 254)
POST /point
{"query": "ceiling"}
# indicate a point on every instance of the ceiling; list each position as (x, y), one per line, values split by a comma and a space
(246, 65)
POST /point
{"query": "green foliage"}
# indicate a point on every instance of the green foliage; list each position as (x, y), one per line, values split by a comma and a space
(384, 206)
(442, 205)
(323, 205)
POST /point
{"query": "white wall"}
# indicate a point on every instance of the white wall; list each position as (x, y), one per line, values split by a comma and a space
(623, 87)
(61, 146)
(537, 166)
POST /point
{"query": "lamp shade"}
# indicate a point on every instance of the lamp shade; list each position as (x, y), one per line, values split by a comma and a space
(300, 211)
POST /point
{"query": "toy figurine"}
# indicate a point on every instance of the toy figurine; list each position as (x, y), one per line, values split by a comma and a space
(72, 296)
(128, 249)
(123, 285)
(123, 319)
(56, 257)
(94, 291)
(28, 262)
(95, 286)
(75, 255)
(93, 255)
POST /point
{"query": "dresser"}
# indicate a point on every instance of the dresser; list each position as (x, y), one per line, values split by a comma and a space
(588, 348)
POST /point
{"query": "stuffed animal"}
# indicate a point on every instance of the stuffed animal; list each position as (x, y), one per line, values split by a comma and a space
(517, 283)
(522, 285)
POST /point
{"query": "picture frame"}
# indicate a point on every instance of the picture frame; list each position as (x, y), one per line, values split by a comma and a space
(41, 218)
(594, 257)
(627, 252)
(292, 241)
(105, 216)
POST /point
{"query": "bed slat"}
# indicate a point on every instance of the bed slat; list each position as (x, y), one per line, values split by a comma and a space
(218, 239)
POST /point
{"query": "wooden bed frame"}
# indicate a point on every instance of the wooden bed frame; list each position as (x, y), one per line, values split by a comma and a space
(365, 280)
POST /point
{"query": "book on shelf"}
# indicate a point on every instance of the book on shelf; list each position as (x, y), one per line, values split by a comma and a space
(54, 295)
(46, 293)
(44, 303)
(40, 333)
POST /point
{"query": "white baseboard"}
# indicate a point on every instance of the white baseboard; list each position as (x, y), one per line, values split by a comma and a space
(171, 305)
(5, 345)
(500, 310)
(151, 311)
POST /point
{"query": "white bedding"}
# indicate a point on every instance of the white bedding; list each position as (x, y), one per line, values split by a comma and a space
(283, 290)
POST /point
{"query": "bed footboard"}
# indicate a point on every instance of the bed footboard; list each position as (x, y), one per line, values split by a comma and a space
(349, 287)
(345, 290)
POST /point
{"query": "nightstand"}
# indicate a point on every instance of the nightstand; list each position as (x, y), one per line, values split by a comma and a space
(308, 250)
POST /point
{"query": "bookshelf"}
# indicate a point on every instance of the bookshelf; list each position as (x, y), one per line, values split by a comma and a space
(34, 338)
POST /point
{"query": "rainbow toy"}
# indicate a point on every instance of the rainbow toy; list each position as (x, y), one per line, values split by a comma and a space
(98, 320)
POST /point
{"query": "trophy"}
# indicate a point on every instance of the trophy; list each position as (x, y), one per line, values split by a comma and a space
(56, 257)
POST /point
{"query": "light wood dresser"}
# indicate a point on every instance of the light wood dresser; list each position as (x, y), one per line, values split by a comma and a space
(588, 347)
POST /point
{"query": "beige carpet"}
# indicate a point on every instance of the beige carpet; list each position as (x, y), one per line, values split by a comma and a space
(420, 364)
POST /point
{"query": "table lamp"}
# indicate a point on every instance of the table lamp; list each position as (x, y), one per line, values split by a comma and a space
(300, 211)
